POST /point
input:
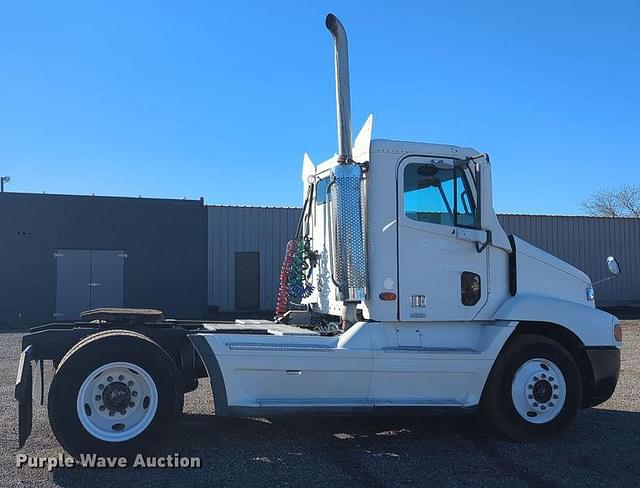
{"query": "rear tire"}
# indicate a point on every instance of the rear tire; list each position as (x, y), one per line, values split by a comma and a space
(534, 389)
(113, 393)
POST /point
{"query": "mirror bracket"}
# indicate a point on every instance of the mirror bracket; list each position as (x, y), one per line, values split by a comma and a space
(482, 246)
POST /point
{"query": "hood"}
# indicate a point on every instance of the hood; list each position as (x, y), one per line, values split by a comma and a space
(537, 254)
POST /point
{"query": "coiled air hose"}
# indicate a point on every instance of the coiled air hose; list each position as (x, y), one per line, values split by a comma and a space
(283, 291)
(293, 281)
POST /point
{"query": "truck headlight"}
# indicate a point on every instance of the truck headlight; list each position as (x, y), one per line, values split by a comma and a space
(590, 294)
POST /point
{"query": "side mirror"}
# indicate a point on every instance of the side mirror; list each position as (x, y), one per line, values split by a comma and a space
(614, 267)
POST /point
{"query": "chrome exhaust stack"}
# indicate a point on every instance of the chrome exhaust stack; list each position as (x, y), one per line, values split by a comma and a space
(343, 90)
(348, 194)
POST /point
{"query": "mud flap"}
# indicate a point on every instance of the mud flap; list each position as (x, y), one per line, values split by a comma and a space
(24, 391)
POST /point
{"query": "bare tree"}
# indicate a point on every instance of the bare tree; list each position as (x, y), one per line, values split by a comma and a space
(629, 199)
(623, 201)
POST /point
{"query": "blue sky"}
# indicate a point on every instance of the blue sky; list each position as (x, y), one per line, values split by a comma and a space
(221, 99)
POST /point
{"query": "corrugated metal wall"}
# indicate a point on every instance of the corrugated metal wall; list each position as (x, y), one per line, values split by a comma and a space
(247, 229)
(585, 242)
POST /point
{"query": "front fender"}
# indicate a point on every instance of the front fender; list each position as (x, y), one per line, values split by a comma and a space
(592, 326)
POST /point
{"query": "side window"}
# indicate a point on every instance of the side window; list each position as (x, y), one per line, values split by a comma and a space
(465, 208)
(438, 195)
(428, 193)
(321, 190)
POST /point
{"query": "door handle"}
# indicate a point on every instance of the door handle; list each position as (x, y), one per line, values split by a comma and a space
(481, 238)
(471, 235)
(95, 284)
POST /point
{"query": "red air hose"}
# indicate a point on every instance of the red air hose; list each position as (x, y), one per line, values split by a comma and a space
(283, 292)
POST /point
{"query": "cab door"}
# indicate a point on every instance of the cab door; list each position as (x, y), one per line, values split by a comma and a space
(442, 265)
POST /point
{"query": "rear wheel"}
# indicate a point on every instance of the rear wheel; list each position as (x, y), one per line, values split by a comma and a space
(113, 393)
(117, 401)
(534, 389)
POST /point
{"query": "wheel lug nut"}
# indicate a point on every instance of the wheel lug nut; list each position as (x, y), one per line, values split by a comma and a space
(98, 397)
(109, 379)
(530, 387)
(131, 404)
(101, 407)
(100, 387)
(555, 397)
(543, 375)
(134, 393)
(535, 404)
(551, 404)
(535, 378)
(542, 407)
(121, 377)
(130, 383)
(555, 387)
(530, 396)
(550, 378)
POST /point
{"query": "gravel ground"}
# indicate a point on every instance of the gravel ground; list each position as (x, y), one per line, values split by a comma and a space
(602, 446)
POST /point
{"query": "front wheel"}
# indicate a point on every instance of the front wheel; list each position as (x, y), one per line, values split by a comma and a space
(113, 393)
(534, 389)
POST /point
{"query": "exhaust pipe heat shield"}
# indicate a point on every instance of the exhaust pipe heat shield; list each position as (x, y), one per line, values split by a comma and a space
(349, 244)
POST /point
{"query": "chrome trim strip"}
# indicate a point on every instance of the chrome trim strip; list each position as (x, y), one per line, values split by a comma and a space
(248, 346)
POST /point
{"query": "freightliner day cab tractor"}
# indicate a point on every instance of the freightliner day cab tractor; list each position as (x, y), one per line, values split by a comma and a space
(409, 297)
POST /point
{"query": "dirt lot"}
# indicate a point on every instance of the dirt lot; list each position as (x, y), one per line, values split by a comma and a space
(602, 447)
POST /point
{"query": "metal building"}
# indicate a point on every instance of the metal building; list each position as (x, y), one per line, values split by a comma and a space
(62, 254)
(585, 242)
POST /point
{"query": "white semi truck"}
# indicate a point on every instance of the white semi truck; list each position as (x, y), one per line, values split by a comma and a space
(411, 297)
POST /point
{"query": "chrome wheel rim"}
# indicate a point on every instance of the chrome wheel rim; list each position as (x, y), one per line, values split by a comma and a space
(538, 391)
(117, 401)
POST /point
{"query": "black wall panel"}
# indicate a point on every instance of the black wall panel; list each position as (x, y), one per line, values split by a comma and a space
(165, 242)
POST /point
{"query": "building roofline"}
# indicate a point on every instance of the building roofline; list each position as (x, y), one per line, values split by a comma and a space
(566, 216)
(9, 194)
(217, 205)
(102, 197)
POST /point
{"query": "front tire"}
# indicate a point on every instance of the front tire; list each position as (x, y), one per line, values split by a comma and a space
(113, 393)
(534, 389)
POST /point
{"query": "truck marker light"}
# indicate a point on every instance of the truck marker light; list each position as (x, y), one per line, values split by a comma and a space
(387, 296)
(590, 294)
(617, 332)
